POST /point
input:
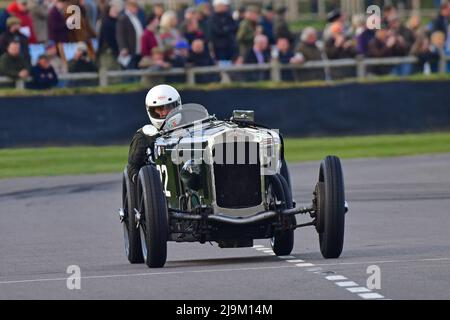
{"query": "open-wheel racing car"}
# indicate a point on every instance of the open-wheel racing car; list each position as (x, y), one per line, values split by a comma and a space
(224, 181)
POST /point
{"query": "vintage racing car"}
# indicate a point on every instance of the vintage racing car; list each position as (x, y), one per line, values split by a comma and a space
(224, 181)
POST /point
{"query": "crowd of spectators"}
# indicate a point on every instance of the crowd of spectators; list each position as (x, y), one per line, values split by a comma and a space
(120, 34)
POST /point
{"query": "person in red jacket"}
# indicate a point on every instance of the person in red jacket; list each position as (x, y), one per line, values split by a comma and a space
(19, 9)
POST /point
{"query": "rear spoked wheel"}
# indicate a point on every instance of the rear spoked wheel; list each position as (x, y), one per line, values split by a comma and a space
(282, 242)
(131, 236)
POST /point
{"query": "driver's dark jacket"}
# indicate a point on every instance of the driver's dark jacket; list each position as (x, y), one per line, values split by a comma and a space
(137, 155)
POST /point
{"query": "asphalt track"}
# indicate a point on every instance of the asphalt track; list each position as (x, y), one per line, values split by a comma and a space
(399, 220)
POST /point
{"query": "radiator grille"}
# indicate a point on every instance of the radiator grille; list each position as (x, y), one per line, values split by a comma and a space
(237, 174)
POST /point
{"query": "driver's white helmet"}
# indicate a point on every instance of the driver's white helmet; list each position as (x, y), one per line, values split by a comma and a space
(159, 97)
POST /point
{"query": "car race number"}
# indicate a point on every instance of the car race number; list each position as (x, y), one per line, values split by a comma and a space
(164, 176)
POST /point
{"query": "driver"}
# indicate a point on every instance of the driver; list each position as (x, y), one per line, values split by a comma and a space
(160, 100)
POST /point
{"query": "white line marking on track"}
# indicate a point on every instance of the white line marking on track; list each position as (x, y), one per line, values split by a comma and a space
(346, 284)
(382, 261)
(145, 274)
(295, 261)
(257, 246)
(334, 278)
(371, 295)
(351, 286)
(358, 289)
(304, 265)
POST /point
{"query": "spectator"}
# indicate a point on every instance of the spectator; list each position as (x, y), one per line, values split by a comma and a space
(148, 39)
(287, 56)
(441, 22)
(247, 30)
(193, 31)
(385, 44)
(190, 13)
(13, 33)
(57, 29)
(55, 61)
(223, 31)
(280, 25)
(91, 12)
(158, 11)
(239, 14)
(39, 10)
(258, 54)
(19, 10)
(181, 54)
(128, 34)
(334, 16)
(12, 63)
(388, 11)
(414, 24)
(338, 46)
(43, 75)
(285, 53)
(204, 17)
(156, 62)
(200, 57)
(266, 23)
(168, 33)
(108, 49)
(427, 57)
(308, 45)
(363, 39)
(81, 62)
(404, 34)
(309, 51)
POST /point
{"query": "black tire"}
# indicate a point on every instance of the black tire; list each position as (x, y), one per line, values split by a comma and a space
(282, 243)
(131, 235)
(154, 218)
(284, 171)
(331, 209)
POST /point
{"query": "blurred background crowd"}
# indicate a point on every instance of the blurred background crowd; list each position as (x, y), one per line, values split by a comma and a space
(42, 39)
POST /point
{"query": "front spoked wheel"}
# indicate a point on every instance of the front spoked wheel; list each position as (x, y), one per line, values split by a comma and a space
(153, 217)
(330, 202)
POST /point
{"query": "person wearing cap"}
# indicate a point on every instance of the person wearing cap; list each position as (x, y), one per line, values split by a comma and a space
(12, 63)
(266, 22)
(13, 33)
(280, 26)
(181, 54)
(19, 9)
(43, 75)
(247, 30)
(81, 61)
(223, 30)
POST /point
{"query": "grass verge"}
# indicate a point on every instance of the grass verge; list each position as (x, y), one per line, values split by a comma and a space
(89, 160)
